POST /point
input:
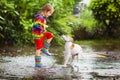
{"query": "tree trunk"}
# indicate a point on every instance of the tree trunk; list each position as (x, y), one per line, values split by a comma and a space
(108, 29)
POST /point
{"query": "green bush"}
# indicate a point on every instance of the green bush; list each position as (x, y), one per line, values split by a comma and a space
(16, 18)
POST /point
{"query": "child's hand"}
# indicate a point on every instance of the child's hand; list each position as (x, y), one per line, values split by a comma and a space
(46, 26)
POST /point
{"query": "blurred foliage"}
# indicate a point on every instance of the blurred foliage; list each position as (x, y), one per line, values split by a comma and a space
(85, 27)
(88, 27)
(99, 20)
(16, 18)
(87, 19)
(107, 12)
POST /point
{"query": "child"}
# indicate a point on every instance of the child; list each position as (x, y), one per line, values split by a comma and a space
(42, 38)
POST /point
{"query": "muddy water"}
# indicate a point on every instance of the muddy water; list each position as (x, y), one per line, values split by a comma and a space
(94, 64)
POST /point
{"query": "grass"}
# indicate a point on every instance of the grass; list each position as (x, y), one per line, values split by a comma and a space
(104, 45)
(99, 42)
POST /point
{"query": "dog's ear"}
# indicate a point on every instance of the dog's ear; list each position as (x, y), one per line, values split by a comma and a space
(70, 38)
(67, 38)
(64, 37)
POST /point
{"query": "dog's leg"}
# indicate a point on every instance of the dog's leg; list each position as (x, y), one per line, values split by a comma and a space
(78, 57)
(72, 58)
(67, 58)
(75, 56)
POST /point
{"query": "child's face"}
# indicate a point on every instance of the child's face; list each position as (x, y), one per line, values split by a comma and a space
(49, 13)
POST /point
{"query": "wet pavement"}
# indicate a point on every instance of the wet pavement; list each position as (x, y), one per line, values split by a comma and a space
(93, 65)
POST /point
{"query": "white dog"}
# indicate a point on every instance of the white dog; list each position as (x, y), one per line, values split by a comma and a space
(71, 50)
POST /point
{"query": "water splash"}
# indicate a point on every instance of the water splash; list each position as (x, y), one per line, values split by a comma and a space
(21, 66)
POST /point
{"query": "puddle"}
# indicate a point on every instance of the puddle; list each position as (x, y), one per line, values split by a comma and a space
(21, 66)
(92, 65)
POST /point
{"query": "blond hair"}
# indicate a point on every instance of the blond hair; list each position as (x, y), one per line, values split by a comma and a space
(47, 7)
